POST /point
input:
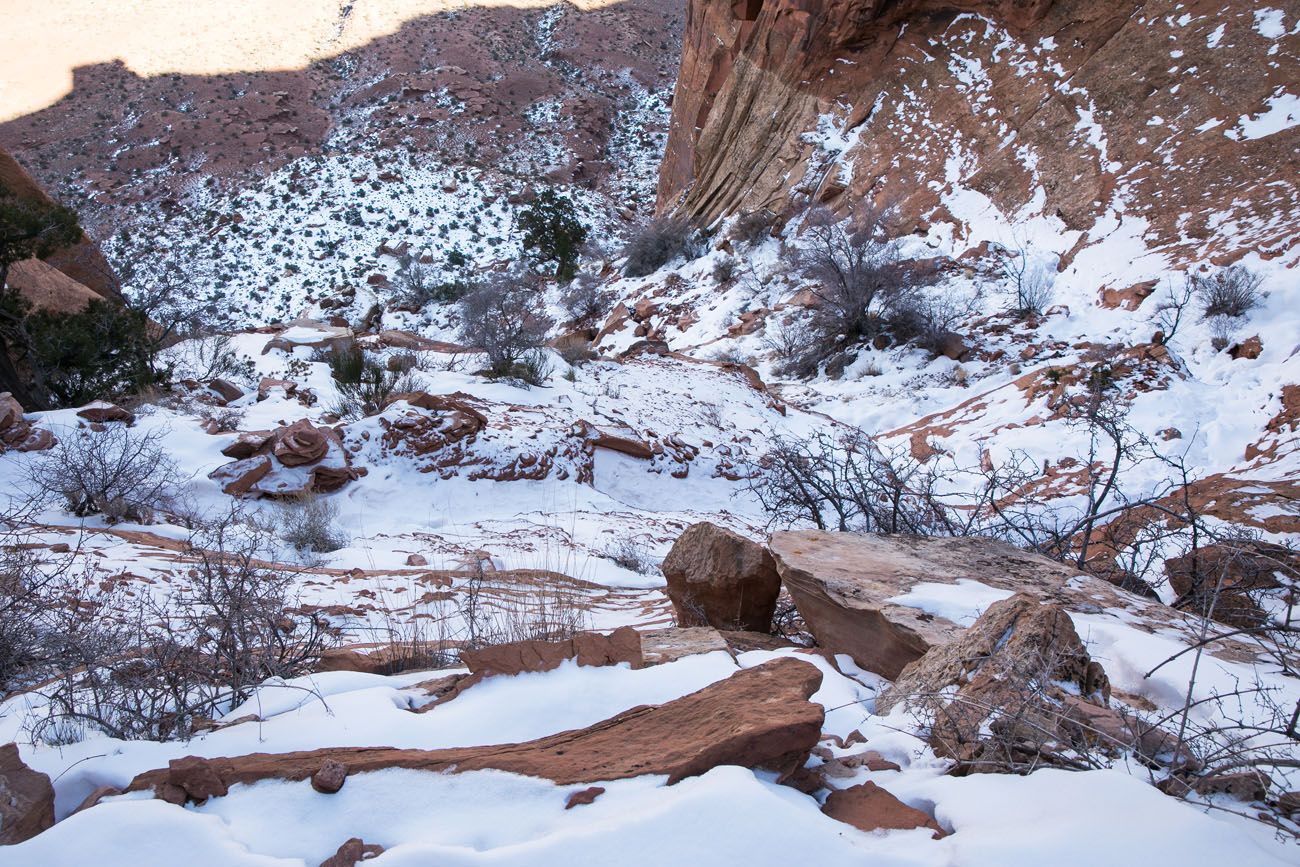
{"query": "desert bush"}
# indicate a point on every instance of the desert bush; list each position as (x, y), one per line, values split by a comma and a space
(309, 523)
(627, 552)
(142, 666)
(860, 289)
(503, 317)
(1031, 279)
(725, 269)
(1229, 292)
(364, 384)
(213, 356)
(575, 350)
(752, 227)
(657, 243)
(115, 472)
(584, 300)
(417, 285)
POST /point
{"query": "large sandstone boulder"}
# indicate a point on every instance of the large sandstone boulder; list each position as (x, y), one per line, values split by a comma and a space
(300, 443)
(26, 798)
(1230, 581)
(11, 411)
(995, 697)
(758, 718)
(717, 578)
(857, 592)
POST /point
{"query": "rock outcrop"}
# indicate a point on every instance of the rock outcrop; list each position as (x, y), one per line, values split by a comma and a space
(851, 589)
(868, 807)
(88, 273)
(26, 798)
(16, 432)
(720, 579)
(759, 718)
(289, 461)
(901, 103)
(994, 696)
(586, 648)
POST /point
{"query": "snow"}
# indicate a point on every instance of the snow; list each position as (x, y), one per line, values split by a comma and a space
(737, 815)
(1270, 23)
(962, 602)
(1282, 113)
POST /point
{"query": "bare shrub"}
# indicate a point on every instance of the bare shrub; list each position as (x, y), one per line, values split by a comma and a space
(204, 358)
(794, 344)
(630, 554)
(503, 317)
(1172, 307)
(584, 300)
(1230, 292)
(116, 472)
(725, 269)
(418, 285)
(575, 350)
(138, 666)
(1031, 279)
(309, 523)
(657, 243)
(859, 286)
(752, 227)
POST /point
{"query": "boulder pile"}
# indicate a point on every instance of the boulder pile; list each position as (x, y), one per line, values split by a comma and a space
(289, 461)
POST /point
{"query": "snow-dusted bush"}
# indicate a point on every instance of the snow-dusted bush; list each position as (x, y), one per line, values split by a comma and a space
(364, 384)
(657, 243)
(1229, 292)
(860, 289)
(584, 299)
(116, 472)
(751, 227)
(1030, 278)
(309, 524)
(503, 317)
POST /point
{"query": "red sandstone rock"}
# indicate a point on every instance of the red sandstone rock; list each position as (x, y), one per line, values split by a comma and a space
(587, 648)
(759, 718)
(353, 852)
(26, 799)
(103, 413)
(583, 796)
(868, 807)
(720, 579)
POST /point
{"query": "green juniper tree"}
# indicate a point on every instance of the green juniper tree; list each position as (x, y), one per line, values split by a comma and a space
(50, 359)
(552, 232)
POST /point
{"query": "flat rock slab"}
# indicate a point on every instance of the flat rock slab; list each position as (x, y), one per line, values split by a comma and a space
(843, 584)
(758, 718)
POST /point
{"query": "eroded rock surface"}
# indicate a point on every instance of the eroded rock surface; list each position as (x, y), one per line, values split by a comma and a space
(759, 718)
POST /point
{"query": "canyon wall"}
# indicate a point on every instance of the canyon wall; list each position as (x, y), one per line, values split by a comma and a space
(1178, 118)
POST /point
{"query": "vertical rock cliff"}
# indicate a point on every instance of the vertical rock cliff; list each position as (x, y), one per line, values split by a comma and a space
(1172, 122)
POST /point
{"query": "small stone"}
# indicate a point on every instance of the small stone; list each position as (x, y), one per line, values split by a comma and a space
(330, 778)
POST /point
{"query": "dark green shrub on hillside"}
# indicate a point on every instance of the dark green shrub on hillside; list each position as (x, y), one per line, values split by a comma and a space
(552, 232)
(104, 351)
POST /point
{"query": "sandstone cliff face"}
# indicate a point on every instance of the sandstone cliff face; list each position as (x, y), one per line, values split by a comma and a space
(1172, 122)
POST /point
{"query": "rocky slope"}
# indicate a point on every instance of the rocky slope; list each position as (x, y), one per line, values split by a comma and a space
(1170, 123)
(416, 126)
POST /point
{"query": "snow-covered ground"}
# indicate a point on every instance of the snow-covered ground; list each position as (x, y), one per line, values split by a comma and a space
(737, 815)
